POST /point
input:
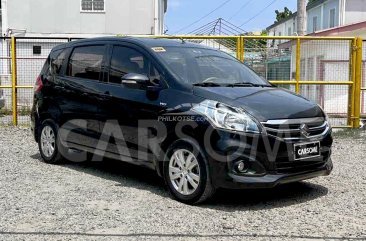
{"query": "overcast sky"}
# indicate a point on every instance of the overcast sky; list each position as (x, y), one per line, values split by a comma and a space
(254, 14)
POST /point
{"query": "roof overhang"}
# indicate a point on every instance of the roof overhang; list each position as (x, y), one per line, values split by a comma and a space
(353, 29)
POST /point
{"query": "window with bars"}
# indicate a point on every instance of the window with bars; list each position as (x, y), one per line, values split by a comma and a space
(92, 6)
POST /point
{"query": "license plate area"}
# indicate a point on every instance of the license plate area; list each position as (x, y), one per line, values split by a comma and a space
(306, 150)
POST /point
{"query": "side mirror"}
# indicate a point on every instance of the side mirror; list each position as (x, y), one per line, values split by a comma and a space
(133, 78)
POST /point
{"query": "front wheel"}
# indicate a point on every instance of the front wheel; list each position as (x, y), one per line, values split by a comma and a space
(186, 174)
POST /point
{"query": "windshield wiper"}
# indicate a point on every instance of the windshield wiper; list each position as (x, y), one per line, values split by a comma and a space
(207, 84)
(247, 84)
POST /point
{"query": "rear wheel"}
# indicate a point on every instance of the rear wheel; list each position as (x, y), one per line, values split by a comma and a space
(47, 143)
(186, 174)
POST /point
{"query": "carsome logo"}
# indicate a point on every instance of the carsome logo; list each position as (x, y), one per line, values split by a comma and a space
(306, 151)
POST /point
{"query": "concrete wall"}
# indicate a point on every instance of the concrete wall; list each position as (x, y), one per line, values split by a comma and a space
(326, 10)
(282, 29)
(66, 17)
(355, 11)
(314, 12)
(322, 12)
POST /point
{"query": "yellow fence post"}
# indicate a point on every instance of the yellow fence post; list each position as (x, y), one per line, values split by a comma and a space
(240, 49)
(243, 49)
(351, 97)
(298, 65)
(357, 85)
(14, 81)
(238, 42)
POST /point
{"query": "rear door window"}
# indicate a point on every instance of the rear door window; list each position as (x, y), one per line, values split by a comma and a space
(86, 62)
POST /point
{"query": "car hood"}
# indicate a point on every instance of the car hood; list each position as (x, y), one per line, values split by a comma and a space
(265, 103)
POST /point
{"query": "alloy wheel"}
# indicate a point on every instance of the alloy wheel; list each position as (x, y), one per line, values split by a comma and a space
(184, 172)
(48, 141)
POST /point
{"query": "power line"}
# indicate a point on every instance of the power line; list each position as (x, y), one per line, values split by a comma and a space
(236, 28)
(225, 28)
(259, 13)
(241, 8)
(206, 15)
(210, 24)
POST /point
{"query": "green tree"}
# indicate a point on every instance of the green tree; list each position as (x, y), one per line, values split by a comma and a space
(283, 15)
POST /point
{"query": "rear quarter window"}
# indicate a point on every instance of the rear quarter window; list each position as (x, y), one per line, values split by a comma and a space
(56, 60)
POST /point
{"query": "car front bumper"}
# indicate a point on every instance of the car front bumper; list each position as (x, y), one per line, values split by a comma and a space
(266, 169)
(271, 180)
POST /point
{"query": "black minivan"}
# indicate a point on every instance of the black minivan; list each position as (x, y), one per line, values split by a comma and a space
(196, 115)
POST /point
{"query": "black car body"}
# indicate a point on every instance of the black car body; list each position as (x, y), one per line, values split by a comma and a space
(196, 115)
(2, 99)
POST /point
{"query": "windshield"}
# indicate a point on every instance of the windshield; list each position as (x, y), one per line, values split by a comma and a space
(199, 66)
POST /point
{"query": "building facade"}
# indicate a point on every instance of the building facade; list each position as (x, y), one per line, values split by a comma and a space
(82, 18)
(47, 23)
(321, 15)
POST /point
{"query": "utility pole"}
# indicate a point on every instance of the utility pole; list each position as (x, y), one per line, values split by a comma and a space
(301, 17)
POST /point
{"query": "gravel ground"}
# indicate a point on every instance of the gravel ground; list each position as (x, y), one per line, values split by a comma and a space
(113, 201)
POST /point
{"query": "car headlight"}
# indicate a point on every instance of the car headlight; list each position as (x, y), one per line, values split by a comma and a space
(326, 117)
(226, 117)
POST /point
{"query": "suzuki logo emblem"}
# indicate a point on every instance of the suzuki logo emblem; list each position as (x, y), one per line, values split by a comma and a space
(304, 130)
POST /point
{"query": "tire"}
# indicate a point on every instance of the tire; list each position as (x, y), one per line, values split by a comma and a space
(48, 144)
(186, 173)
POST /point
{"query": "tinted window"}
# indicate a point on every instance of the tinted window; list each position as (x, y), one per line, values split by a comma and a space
(126, 60)
(56, 59)
(86, 62)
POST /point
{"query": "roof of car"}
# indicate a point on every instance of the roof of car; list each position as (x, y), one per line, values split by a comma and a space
(143, 41)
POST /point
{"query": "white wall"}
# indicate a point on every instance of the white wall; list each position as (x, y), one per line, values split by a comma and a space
(355, 11)
(314, 12)
(282, 29)
(65, 17)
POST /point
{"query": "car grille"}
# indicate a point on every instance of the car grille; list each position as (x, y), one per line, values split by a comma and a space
(297, 129)
(297, 166)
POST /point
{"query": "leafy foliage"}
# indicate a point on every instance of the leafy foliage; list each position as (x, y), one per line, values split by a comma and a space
(283, 15)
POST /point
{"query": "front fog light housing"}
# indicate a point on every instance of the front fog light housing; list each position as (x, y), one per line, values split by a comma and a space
(241, 167)
(226, 117)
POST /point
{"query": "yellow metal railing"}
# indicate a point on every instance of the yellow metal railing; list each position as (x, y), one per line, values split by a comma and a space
(354, 81)
(357, 85)
(14, 81)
